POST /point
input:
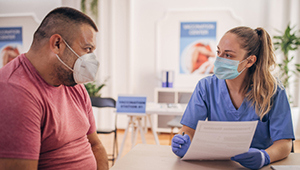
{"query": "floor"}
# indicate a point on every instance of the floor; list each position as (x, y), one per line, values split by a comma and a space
(164, 139)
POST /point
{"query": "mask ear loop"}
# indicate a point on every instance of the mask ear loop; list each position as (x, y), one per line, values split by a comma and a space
(242, 62)
(71, 48)
(72, 51)
(64, 63)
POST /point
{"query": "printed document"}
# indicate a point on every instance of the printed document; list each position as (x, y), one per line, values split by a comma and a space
(218, 140)
(285, 167)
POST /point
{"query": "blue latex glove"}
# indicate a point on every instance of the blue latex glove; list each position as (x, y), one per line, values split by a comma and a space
(253, 159)
(180, 144)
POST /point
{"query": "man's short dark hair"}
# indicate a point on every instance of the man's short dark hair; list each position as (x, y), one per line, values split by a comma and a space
(63, 21)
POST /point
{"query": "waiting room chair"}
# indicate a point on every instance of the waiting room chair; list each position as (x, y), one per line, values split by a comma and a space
(102, 103)
(174, 123)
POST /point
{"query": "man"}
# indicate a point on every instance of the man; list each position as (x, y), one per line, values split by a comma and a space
(46, 118)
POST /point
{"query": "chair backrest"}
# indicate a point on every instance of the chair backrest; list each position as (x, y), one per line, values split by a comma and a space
(103, 102)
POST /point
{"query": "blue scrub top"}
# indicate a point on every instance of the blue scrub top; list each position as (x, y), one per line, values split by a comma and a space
(211, 100)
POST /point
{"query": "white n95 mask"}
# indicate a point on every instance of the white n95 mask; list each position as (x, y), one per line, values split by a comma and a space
(85, 67)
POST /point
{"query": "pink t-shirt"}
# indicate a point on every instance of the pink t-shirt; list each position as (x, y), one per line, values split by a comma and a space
(42, 122)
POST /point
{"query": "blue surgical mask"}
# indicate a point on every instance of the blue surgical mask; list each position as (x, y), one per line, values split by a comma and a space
(226, 68)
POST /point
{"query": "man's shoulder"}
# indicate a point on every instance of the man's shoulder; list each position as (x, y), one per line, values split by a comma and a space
(7, 71)
(16, 78)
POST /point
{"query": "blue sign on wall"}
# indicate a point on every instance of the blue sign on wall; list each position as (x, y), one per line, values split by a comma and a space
(198, 29)
(131, 104)
(11, 34)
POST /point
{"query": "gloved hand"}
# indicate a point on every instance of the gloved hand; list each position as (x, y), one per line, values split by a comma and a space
(180, 144)
(253, 159)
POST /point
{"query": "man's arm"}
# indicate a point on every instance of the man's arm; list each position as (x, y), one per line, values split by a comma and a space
(18, 164)
(99, 151)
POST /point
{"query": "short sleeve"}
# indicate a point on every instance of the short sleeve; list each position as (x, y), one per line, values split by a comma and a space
(20, 123)
(280, 119)
(196, 109)
(92, 122)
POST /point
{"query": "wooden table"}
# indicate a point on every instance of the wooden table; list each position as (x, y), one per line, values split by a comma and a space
(161, 157)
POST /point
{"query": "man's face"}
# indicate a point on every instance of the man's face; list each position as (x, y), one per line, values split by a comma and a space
(84, 42)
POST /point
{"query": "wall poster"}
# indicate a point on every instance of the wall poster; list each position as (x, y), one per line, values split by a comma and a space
(197, 47)
(10, 43)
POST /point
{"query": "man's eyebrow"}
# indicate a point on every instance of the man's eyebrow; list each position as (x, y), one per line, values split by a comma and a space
(90, 45)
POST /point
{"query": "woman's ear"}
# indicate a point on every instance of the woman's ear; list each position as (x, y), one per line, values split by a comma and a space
(55, 43)
(251, 60)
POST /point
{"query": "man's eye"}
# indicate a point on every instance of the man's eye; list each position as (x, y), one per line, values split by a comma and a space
(89, 49)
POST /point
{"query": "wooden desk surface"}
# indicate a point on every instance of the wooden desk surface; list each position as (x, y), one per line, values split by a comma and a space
(161, 157)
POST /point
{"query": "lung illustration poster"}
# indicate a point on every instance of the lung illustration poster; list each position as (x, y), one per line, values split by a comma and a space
(10, 44)
(197, 47)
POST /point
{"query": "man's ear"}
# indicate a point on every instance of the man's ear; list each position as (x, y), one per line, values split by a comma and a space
(251, 60)
(56, 43)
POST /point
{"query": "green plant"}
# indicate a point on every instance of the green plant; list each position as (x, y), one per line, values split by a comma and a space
(288, 41)
(93, 89)
(93, 8)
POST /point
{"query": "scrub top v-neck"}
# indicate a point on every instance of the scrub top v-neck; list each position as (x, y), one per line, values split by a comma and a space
(211, 100)
(230, 106)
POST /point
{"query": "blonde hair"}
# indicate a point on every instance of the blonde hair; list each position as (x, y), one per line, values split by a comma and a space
(262, 83)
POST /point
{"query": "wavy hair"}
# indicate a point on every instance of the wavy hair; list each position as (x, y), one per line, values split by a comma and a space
(260, 81)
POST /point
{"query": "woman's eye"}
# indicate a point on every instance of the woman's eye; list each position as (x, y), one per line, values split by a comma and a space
(218, 52)
(227, 55)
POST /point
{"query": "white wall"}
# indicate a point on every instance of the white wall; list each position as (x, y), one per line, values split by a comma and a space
(126, 47)
(127, 38)
(38, 7)
(143, 16)
(139, 75)
(30, 12)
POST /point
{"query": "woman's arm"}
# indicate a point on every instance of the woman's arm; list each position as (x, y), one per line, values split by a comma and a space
(280, 149)
(187, 130)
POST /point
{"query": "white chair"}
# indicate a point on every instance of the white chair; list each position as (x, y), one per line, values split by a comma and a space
(174, 123)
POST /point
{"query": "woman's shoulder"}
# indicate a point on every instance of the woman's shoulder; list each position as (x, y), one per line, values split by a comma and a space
(279, 85)
(208, 80)
(280, 89)
(209, 83)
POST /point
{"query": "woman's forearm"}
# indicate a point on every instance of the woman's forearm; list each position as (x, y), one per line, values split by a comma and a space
(280, 149)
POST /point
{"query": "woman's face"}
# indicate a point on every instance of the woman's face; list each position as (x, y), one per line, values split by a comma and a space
(229, 48)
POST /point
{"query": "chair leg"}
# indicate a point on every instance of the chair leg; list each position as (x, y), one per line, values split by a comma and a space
(113, 153)
(116, 139)
(171, 136)
(115, 148)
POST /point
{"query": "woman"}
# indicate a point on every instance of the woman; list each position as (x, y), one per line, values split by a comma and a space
(243, 89)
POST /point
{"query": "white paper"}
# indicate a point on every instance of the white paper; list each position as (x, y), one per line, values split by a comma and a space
(218, 140)
(286, 167)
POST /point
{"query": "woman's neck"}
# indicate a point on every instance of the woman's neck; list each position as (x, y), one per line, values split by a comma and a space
(238, 84)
